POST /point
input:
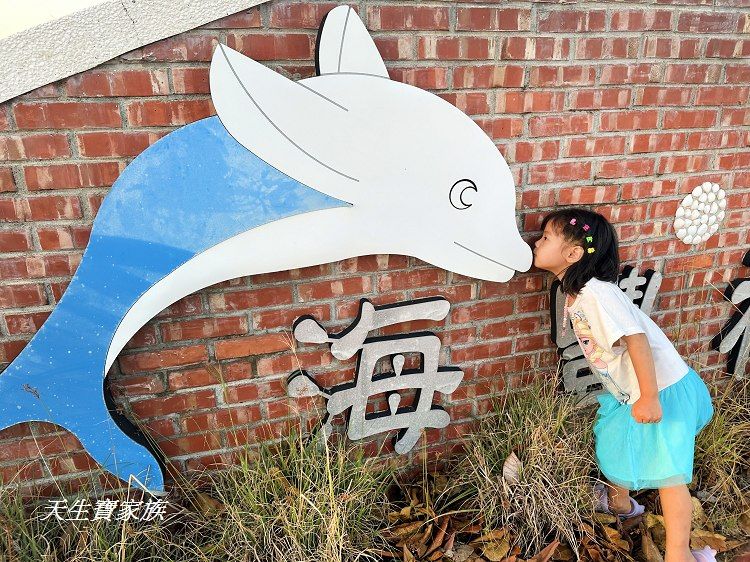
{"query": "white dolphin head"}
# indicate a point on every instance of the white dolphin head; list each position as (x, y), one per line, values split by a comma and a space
(424, 178)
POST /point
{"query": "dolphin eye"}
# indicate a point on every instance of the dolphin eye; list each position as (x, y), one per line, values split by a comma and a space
(457, 192)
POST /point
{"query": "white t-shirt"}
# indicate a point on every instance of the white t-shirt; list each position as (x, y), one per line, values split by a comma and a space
(601, 314)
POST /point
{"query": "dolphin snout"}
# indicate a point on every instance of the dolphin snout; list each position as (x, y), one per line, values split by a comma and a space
(518, 257)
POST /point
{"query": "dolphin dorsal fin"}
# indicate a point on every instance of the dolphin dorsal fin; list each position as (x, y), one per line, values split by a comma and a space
(344, 45)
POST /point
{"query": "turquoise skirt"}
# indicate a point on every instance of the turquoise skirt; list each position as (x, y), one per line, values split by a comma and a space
(652, 455)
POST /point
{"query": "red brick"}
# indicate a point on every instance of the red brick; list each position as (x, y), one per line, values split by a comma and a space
(569, 20)
(609, 98)
(722, 95)
(480, 352)
(197, 443)
(174, 403)
(535, 48)
(285, 364)
(641, 20)
(140, 385)
(190, 81)
(708, 22)
(25, 267)
(731, 117)
(63, 237)
(403, 280)
(397, 48)
(42, 446)
(658, 142)
(493, 19)
(14, 241)
(210, 421)
(52, 207)
(536, 151)
(7, 183)
(628, 120)
(655, 95)
(242, 20)
(488, 76)
(155, 113)
(501, 127)
(706, 140)
(20, 296)
(399, 18)
(45, 146)
(119, 143)
(556, 76)
(288, 15)
(529, 102)
(630, 74)
(625, 168)
(243, 300)
(178, 48)
(692, 73)
(271, 319)
(251, 345)
(682, 119)
(603, 48)
(289, 46)
(9, 350)
(738, 73)
(554, 125)
(560, 171)
(203, 328)
(481, 311)
(336, 288)
(602, 146)
(691, 163)
(727, 48)
(110, 83)
(164, 358)
(588, 195)
(67, 115)
(670, 47)
(70, 176)
(455, 48)
(430, 78)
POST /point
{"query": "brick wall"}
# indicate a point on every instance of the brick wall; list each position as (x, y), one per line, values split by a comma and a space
(622, 106)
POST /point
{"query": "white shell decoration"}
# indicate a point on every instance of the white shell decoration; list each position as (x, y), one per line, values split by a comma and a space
(700, 213)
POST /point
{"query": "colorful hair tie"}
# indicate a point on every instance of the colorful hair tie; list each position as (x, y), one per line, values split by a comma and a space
(589, 239)
(591, 250)
(572, 221)
(586, 227)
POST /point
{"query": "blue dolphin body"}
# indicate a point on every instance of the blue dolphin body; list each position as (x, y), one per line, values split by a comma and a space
(191, 190)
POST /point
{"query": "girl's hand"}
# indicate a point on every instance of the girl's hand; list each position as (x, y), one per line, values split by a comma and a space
(646, 410)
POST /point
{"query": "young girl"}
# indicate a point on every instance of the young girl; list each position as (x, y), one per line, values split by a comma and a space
(646, 423)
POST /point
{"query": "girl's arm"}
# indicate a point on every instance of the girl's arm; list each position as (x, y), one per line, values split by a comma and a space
(647, 408)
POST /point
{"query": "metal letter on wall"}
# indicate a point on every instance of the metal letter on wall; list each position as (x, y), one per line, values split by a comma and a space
(576, 375)
(289, 174)
(427, 380)
(734, 337)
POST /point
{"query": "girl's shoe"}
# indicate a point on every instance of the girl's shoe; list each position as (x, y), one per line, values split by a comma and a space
(705, 554)
(636, 509)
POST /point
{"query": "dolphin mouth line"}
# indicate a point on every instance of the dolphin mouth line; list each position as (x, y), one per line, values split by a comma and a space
(483, 256)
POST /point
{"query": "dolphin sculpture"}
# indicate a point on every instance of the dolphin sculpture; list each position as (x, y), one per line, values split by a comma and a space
(288, 175)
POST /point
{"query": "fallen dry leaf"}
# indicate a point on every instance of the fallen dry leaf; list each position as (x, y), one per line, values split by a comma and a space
(700, 538)
(648, 547)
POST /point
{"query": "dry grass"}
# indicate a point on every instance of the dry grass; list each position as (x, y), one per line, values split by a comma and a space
(722, 455)
(552, 495)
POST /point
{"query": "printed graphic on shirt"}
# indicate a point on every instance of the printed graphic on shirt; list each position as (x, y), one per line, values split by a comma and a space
(595, 355)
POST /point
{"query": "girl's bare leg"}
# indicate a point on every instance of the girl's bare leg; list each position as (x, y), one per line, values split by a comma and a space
(619, 498)
(678, 512)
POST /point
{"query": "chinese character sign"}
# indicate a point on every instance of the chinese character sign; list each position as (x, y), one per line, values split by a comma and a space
(576, 374)
(105, 509)
(428, 379)
(734, 337)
